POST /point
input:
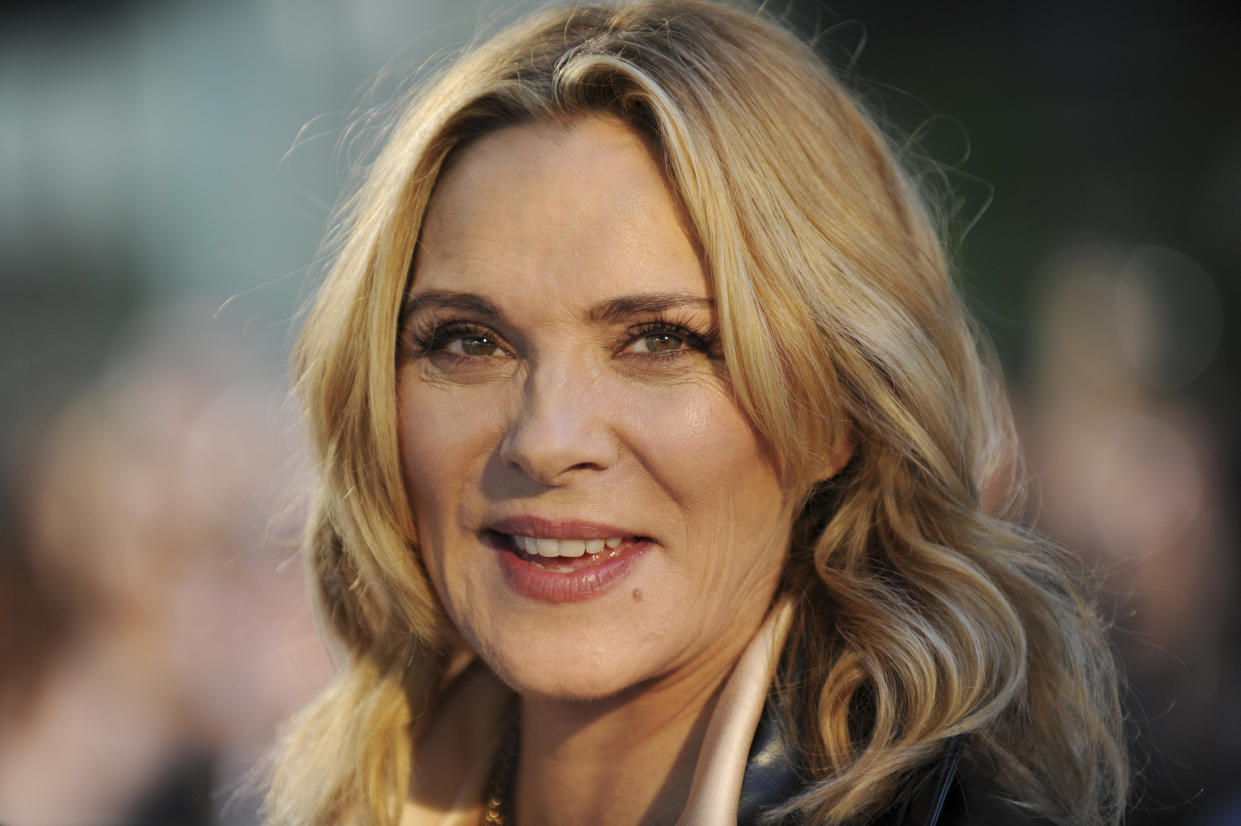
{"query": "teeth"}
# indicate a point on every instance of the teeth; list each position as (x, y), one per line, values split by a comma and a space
(563, 547)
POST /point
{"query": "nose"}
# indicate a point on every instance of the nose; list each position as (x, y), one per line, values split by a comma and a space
(562, 426)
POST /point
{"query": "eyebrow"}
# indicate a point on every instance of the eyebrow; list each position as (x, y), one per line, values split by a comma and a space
(451, 300)
(611, 310)
(618, 309)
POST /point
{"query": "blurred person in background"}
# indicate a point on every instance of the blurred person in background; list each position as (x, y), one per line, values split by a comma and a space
(1135, 475)
(173, 635)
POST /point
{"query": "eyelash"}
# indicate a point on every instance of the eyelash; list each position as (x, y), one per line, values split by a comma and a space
(692, 339)
(433, 337)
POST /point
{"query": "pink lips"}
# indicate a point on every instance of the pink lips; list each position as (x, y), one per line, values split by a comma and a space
(589, 576)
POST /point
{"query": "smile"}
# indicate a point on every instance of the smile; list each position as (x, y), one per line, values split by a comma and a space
(577, 561)
(546, 547)
(566, 556)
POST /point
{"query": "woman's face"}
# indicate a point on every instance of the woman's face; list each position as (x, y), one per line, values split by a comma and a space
(593, 507)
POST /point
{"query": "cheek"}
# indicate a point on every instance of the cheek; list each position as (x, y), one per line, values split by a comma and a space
(442, 442)
(706, 452)
(709, 459)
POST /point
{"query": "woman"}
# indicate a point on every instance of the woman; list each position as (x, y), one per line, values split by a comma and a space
(661, 470)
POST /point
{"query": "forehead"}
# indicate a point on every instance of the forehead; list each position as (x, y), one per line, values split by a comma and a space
(583, 202)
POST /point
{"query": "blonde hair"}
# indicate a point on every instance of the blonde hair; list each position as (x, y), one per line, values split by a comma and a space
(921, 615)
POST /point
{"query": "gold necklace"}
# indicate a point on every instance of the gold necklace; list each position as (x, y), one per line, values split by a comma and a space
(498, 802)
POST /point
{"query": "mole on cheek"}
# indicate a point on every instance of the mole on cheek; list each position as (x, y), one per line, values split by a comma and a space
(637, 594)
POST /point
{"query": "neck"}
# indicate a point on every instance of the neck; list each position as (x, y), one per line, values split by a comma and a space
(624, 760)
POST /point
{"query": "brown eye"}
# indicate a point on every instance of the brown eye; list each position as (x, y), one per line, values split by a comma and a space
(453, 344)
(474, 345)
(658, 343)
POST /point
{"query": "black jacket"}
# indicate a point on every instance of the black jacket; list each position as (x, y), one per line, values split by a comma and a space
(947, 792)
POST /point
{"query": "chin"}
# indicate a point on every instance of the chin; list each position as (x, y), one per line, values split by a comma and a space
(569, 676)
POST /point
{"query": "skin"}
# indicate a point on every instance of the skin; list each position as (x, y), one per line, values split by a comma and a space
(519, 395)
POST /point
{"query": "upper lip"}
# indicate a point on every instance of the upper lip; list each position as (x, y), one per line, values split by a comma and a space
(539, 527)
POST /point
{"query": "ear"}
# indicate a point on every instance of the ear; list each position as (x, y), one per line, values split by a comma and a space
(839, 454)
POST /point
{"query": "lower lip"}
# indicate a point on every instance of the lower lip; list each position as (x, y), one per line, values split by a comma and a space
(536, 582)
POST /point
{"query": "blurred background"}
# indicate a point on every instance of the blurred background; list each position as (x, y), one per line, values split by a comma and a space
(166, 170)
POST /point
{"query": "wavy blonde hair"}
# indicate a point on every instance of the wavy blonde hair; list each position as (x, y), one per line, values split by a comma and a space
(921, 613)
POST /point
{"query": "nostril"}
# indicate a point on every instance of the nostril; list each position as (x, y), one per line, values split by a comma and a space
(551, 437)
